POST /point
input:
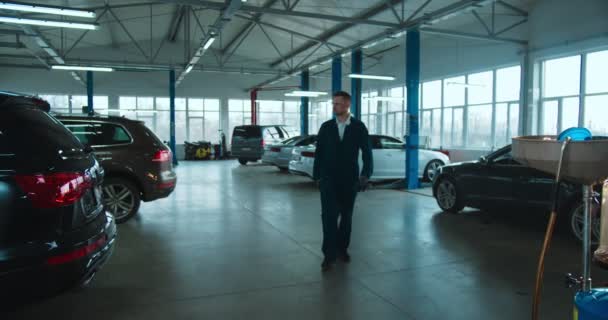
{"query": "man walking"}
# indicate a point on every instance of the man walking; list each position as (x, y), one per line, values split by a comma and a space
(336, 169)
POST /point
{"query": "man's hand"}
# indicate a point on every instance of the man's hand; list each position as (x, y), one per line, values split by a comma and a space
(363, 183)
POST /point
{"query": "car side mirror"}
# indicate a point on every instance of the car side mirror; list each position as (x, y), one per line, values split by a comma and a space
(87, 149)
(484, 160)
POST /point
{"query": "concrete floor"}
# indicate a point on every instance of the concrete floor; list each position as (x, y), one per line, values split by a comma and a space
(238, 242)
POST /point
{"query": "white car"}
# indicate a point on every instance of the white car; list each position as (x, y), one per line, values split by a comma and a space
(280, 154)
(389, 160)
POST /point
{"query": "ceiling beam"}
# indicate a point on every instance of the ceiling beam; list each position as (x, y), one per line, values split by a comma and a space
(176, 21)
(47, 47)
(292, 13)
(247, 26)
(418, 10)
(227, 12)
(513, 8)
(290, 31)
(467, 35)
(326, 35)
(436, 16)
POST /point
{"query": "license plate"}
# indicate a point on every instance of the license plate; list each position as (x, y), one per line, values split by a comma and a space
(246, 149)
(89, 202)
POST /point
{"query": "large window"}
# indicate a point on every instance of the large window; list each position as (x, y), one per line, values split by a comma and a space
(394, 109)
(475, 111)
(195, 118)
(270, 112)
(321, 111)
(371, 112)
(431, 111)
(574, 93)
(74, 104)
(291, 114)
(453, 111)
(239, 113)
(204, 120)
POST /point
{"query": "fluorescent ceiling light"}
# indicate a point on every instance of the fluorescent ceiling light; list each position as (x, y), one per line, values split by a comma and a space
(49, 23)
(46, 9)
(189, 68)
(81, 68)
(385, 98)
(399, 34)
(208, 43)
(369, 76)
(466, 85)
(312, 94)
(316, 93)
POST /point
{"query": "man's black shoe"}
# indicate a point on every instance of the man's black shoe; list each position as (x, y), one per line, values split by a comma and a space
(345, 257)
(327, 265)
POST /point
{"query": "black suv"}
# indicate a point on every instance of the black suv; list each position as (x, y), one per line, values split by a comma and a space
(137, 163)
(54, 232)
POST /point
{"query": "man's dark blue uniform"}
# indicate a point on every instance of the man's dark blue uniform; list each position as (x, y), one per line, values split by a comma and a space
(336, 167)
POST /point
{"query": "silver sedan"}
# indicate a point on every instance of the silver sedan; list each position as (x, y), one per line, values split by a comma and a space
(280, 154)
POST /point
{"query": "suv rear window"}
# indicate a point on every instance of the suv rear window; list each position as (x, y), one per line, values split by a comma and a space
(98, 133)
(36, 137)
(33, 131)
(247, 132)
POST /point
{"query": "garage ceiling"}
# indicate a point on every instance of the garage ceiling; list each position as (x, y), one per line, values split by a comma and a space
(161, 34)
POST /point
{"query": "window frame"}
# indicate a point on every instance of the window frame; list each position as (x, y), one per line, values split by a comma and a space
(76, 121)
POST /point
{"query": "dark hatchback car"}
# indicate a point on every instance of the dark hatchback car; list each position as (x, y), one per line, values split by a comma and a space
(54, 231)
(138, 165)
(498, 181)
(248, 142)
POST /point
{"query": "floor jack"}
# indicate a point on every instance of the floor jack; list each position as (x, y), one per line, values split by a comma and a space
(576, 157)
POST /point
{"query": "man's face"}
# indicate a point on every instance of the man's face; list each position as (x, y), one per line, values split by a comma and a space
(341, 106)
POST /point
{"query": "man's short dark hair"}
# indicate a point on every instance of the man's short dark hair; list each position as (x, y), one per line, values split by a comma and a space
(342, 94)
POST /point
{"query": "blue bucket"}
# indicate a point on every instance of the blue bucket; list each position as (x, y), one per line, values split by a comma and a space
(591, 305)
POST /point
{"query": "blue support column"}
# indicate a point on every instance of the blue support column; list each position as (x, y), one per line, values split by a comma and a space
(172, 114)
(355, 84)
(336, 74)
(304, 86)
(412, 81)
(90, 108)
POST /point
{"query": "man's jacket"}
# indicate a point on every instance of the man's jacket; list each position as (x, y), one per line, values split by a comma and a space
(339, 159)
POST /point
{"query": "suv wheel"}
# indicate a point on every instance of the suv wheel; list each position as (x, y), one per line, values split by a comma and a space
(121, 198)
(243, 161)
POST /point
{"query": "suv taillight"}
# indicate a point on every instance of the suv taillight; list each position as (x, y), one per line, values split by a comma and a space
(308, 154)
(162, 156)
(262, 143)
(54, 189)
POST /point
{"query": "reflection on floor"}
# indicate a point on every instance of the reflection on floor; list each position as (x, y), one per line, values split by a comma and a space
(237, 242)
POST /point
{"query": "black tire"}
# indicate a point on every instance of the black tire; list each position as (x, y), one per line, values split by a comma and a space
(242, 161)
(120, 194)
(447, 195)
(427, 175)
(575, 221)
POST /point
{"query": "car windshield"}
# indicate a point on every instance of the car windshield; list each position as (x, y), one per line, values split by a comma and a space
(500, 153)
